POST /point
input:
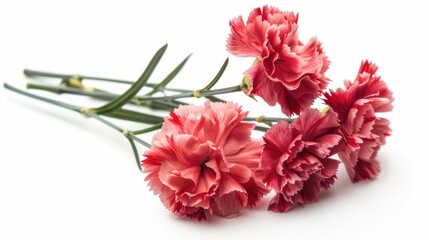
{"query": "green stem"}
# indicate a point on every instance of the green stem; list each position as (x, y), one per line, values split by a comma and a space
(57, 103)
(153, 85)
(78, 109)
(73, 108)
(70, 90)
(134, 116)
(154, 104)
(166, 105)
(136, 153)
(269, 119)
(192, 94)
(188, 94)
(33, 73)
(149, 129)
(261, 129)
(117, 128)
(129, 135)
(215, 99)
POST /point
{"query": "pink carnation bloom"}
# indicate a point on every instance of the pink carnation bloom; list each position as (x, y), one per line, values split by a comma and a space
(287, 71)
(363, 132)
(203, 161)
(296, 159)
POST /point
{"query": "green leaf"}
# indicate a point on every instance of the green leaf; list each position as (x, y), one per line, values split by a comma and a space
(159, 104)
(149, 129)
(262, 129)
(215, 99)
(136, 154)
(121, 100)
(217, 77)
(134, 116)
(170, 77)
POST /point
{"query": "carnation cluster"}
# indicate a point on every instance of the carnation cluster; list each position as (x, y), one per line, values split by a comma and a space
(205, 161)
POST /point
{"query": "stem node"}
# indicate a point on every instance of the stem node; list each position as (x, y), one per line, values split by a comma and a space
(126, 133)
(85, 111)
(197, 94)
(260, 119)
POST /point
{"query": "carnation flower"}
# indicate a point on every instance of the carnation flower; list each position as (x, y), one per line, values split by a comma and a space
(362, 130)
(296, 159)
(203, 161)
(287, 71)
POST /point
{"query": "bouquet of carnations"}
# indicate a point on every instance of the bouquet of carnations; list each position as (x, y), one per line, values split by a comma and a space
(204, 160)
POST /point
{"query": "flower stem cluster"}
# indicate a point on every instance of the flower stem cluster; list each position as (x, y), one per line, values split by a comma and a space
(204, 161)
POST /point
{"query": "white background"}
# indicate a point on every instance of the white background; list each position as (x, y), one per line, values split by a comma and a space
(64, 175)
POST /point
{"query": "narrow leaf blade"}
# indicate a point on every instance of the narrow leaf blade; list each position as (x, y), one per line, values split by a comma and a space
(170, 77)
(135, 152)
(134, 116)
(217, 77)
(121, 100)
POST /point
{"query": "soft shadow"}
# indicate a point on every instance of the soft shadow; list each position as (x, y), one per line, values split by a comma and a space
(215, 221)
(262, 205)
(210, 222)
(342, 186)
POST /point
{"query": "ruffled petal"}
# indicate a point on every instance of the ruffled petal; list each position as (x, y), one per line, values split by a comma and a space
(231, 197)
(241, 41)
(255, 189)
(365, 170)
(279, 204)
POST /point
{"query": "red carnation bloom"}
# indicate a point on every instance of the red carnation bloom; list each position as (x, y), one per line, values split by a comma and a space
(296, 159)
(287, 71)
(363, 132)
(203, 161)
